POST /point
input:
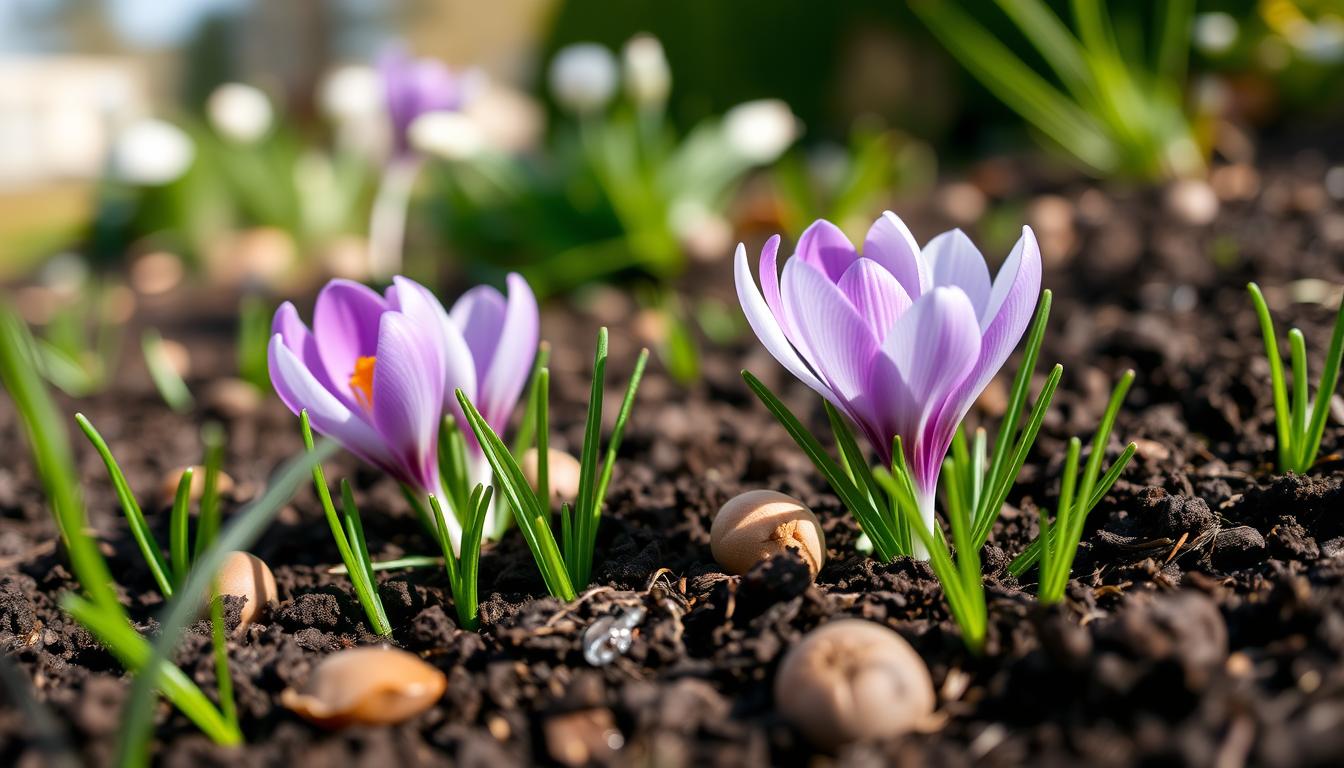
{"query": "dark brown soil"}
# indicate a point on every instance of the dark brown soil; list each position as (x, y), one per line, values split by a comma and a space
(1205, 624)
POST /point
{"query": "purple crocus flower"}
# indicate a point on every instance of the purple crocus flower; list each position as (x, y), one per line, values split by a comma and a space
(414, 87)
(378, 372)
(901, 340)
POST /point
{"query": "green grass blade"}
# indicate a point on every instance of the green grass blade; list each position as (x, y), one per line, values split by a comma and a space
(179, 524)
(984, 523)
(1173, 39)
(585, 523)
(1297, 345)
(1057, 551)
(873, 522)
(522, 439)
(532, 519)
(1015, 84)
(223, 678)
(244, 529)
(135, 654)
(1320, 411)
(207, 523)
(1282, 417)
(165, 377)
(135, 518)
(1054, 41)
(618, 431)
(851, 456)
(355, 564)
(1099, 441)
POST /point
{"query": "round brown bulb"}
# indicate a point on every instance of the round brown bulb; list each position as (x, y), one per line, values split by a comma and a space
(757, 525)
(366, 686)
(853, 680)
(168, 488)
(562, 473)
(246, 575)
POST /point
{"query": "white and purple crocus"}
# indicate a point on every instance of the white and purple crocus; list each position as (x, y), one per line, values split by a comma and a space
(377, 373)
(412, 88)
(901, 340)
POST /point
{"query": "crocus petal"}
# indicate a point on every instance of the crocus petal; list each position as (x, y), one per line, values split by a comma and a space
(876, 295)
(299, 340)
(825, 247)
(766, 324)
(423, 307)
(769, 276)
(516, 347)
(840, 339)
(890, 244)
(407, 399)
(345, 328)
(299, 389)
(479, 314)
(932, 348)
(954, 260)
(1012, 303)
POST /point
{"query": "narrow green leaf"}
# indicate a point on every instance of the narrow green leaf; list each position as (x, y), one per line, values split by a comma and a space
(1282, 417)
(1320, 411)
(223, 678)
(872, 520)
(1297, 345)
(178, 526)
(207, 522)
(135, 518)
(165, 377)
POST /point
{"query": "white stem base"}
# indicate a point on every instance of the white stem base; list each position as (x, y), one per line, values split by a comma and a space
(387, 225)
(925, 499)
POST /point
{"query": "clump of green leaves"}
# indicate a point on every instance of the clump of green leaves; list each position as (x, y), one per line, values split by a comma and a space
(1300, 422)
(1118, 106)
(568, 562)
(98, 610)
(1057, 543)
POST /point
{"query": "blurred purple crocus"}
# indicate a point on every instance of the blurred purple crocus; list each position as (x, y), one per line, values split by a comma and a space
(901, 340)
(377, 373)
(414, 87)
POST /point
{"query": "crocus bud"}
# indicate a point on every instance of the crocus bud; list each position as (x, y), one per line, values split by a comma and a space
(448, 135)
(761, 130)
(648, 79)
(583, 77)
(239, 112)
(152, 152)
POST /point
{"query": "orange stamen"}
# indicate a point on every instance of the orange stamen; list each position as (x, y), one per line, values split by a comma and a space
(361, 381)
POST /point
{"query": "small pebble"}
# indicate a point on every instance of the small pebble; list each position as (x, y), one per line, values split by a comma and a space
(1192, 202)
(852, 680)
(366, 686)
(757, 525)
(562, 473)
(247, 576)
(232, 398)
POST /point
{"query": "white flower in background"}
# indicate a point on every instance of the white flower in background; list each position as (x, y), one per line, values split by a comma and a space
(1215, 32)
(761, 130)
(705, 234)
(449, 135)
(351, 92)
(648, 78)
(240, 112)
(583, 77)
(152, 152)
